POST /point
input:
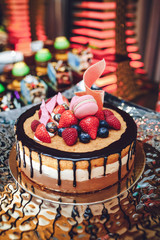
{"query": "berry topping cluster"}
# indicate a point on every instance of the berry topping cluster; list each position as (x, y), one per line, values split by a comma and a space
(63, 122)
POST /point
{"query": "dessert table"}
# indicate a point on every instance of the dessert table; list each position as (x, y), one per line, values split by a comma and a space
(131, 214)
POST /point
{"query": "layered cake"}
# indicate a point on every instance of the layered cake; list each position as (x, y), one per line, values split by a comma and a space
(75, 147)
(60, 75)
(33, 89)
(80, 59)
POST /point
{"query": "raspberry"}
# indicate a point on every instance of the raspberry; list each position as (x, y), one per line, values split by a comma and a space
(70, 136)
(107, 113)
(34, 125)
(100, 115)
(113, 122)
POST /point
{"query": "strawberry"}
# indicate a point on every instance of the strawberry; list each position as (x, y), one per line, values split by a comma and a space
(34, 125)
(113, 122)
(52, 120)
(42, 134)
(107, 113)
(90, 125)
(47, 100)
(59, 109)
(100, 115)
(70, 136)
(65, 100)
(67, 119)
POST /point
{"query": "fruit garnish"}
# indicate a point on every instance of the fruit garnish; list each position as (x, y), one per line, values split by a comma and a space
(90, 125)
(100, 115)
(103, 132)
(51, 127)
(57, 117)
(113, 122)
(39, 113)
(65, 106)
(65, 100)
(67, 119)
(84, 137)
(42, 134)
(103, 123)
(60, 130)
(59, 109)
(34, 125)
(107, 113)
(77, 127)
(70, 136)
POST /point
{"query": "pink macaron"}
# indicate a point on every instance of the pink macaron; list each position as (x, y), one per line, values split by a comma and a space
(84, 106)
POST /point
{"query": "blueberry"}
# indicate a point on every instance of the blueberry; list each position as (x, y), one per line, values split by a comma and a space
(78, 128)
(57, 117)
(65, 106)
(103, 123)
(51, 127)
(102, 132)
(60, 130)
(84, 137)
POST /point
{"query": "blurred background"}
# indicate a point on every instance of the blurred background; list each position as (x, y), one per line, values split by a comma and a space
(126, 33)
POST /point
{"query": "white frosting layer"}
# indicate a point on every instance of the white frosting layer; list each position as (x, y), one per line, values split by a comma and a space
(81, 174)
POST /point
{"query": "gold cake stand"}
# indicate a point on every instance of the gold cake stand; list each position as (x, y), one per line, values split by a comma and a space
(85, 198)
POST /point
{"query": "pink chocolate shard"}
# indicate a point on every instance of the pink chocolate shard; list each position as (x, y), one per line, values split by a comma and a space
(45, 114)
(51, 104)
(60, 99)
(89, 77)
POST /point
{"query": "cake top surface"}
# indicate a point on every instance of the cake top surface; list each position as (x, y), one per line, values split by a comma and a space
(58, 143)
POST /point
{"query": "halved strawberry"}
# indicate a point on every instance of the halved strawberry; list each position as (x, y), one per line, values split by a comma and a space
(34, 125)
(67, 119)
(42, 134)
(90, 125)
(113, 122)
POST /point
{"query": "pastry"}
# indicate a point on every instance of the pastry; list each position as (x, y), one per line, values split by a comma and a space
(42, 57)
(33, 89)
(62, 153)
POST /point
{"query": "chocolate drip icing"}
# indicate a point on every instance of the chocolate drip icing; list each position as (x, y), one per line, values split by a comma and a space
(17, 151)
(129, 157)
(120, 165)
(19, 156)
(24, 159)
(134, 148)
(59, 172)
(74, 174)
(89, 169)
(40, 163)
(118, 187)
(105, 162)
(31, 166)
(32, 188)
